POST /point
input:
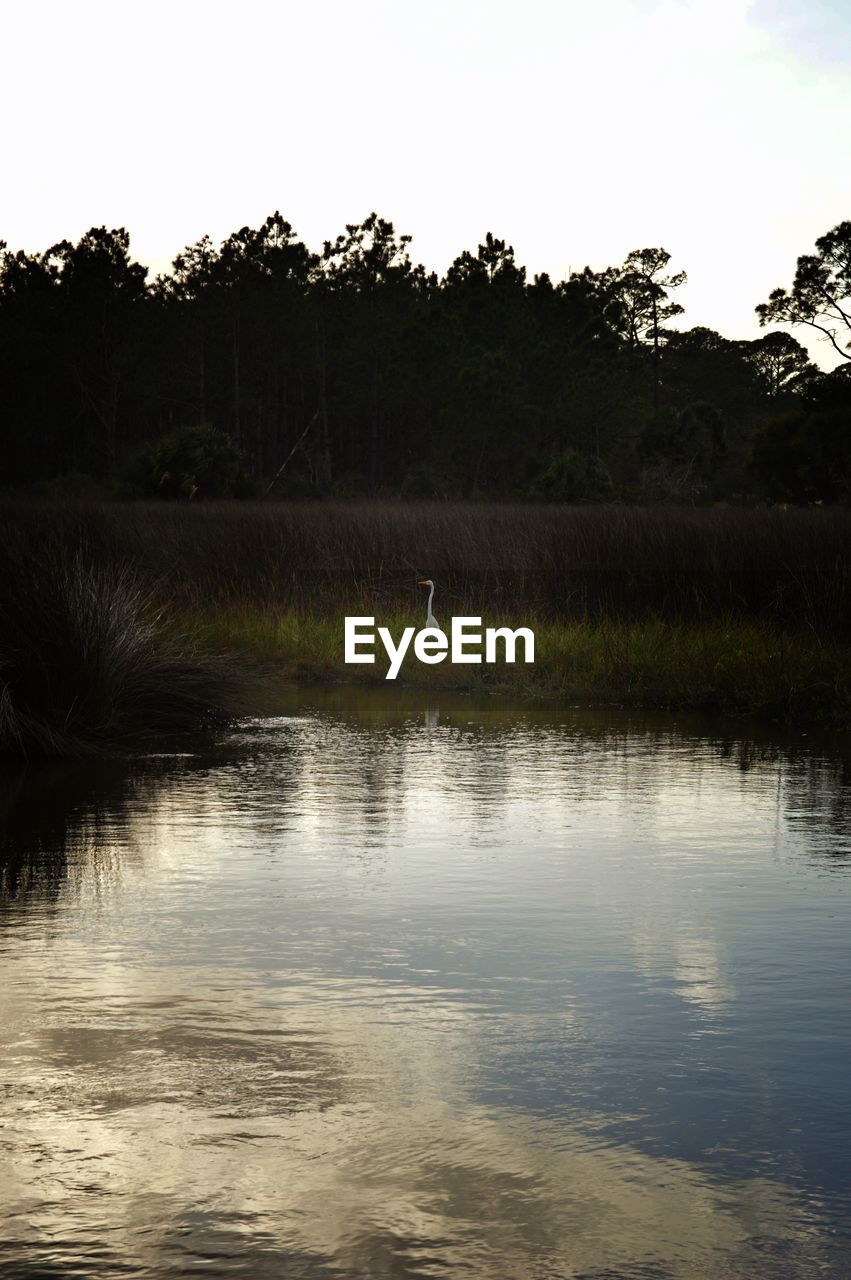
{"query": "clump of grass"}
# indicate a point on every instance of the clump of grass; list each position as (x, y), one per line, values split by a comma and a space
(86, 664)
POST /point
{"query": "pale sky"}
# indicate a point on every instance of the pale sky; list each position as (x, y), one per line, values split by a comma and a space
(576, 131)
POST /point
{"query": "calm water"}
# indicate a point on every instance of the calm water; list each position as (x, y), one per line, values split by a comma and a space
(378, 988)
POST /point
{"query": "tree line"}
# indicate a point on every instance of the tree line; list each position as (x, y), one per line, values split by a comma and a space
(258, 364)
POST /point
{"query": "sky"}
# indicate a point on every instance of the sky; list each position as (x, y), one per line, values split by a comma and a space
(576, 131)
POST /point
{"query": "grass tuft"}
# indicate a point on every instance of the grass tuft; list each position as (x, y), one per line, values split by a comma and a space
(84, 661)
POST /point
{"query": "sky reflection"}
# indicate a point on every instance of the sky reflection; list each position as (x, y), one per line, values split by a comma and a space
(395, 994)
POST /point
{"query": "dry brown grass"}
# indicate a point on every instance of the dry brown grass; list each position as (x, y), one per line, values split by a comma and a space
(788, 567)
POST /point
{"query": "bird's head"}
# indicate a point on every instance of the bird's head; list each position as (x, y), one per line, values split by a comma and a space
(425, 582)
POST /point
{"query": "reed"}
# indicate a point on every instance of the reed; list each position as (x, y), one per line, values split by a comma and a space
(787, 567)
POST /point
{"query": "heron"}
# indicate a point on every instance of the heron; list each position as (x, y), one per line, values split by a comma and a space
(431, 620)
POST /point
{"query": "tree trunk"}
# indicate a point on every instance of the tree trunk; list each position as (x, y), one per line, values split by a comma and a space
(237, 424)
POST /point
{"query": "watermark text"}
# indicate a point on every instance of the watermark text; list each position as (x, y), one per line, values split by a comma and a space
(432, 645)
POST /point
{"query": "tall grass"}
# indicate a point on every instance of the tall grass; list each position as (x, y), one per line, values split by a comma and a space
(790, 567)
(83, 662)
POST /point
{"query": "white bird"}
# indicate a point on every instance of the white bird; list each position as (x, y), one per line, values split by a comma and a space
(431, 620)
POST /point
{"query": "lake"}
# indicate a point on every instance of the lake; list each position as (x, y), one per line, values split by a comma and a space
(389, 985)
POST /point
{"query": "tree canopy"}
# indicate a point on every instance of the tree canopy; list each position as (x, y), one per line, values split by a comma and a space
(353, 371)
(820, 296)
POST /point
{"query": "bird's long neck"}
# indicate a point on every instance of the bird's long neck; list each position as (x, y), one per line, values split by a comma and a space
(430, 598)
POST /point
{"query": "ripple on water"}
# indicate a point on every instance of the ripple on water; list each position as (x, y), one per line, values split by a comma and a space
(385, 990)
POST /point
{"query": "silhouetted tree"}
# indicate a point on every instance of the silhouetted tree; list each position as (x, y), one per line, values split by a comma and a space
(781, 362)
(820, 296)
(642, 291)
(364, 373)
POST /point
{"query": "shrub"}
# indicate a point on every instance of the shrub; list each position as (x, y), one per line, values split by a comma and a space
(188, 457)
(573, 477)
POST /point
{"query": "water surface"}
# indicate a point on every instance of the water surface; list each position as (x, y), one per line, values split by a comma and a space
(382, 988)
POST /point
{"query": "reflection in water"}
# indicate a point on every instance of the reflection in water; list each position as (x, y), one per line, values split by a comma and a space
(386, 990)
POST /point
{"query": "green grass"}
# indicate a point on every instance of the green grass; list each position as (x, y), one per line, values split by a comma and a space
(735, 666)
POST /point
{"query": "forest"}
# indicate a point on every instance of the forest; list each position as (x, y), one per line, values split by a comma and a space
(258, 366)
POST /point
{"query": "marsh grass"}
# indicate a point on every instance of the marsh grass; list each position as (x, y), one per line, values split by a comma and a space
(85, 663)
(626, 563)
(740, 609)
(731, 666)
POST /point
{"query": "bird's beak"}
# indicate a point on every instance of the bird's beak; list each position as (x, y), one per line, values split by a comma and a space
(422, 582)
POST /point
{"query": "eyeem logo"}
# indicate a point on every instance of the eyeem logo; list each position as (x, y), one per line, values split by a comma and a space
(431, 644)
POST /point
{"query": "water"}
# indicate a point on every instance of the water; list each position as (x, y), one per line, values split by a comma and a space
(376, 988)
